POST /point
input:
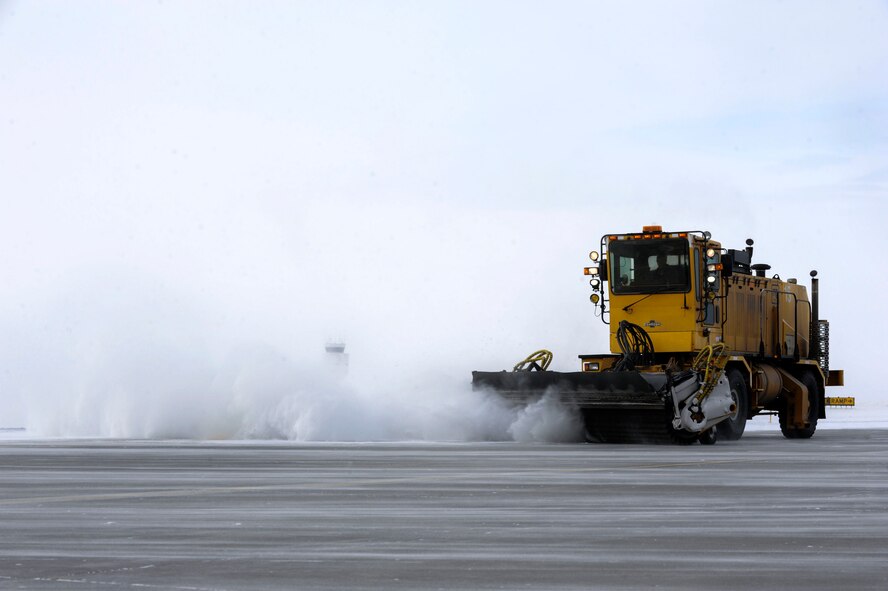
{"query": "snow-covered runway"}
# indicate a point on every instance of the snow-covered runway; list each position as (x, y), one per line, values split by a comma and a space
(763, 512)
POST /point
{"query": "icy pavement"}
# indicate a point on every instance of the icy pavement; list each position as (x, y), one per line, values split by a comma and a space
(759, 513)
(868, 414)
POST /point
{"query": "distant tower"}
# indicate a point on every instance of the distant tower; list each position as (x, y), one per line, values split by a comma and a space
(337, 358)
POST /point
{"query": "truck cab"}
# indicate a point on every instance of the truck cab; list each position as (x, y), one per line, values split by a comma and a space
(661, 281)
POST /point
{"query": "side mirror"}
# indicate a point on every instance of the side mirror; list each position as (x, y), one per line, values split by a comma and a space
(727, 265)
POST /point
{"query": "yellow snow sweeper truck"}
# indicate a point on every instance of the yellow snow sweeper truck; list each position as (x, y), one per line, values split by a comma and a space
(701, 340)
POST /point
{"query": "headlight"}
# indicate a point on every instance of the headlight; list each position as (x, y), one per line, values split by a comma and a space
(594, 298)
(593, 255)
(711, 278)
(710, 253)
(590, 271)
(594, 283)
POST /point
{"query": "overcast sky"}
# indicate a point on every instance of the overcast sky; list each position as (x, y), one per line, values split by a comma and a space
(420, 179)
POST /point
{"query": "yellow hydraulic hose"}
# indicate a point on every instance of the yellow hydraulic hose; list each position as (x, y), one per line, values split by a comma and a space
(538, 360)
(710, 362)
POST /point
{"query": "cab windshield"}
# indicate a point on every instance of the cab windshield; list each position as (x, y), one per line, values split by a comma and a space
(649, 266)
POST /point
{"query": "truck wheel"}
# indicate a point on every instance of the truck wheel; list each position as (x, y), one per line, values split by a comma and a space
(709, 436)
(731, 429)
(813, 407)
(682, 437)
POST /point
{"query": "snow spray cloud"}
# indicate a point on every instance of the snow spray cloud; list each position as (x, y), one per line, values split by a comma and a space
(255, 393)
(135, 361)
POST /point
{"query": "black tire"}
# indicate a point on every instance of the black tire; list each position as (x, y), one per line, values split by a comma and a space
(732, 428)
(709, 437)
(807, 432)
(682, 437)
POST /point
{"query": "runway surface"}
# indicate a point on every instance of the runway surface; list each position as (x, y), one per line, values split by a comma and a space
(763, 512)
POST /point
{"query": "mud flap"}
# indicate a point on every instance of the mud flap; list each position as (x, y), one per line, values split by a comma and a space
(797, 400)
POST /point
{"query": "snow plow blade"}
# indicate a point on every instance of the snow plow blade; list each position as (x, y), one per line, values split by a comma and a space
(626, 390)
(621, 406)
